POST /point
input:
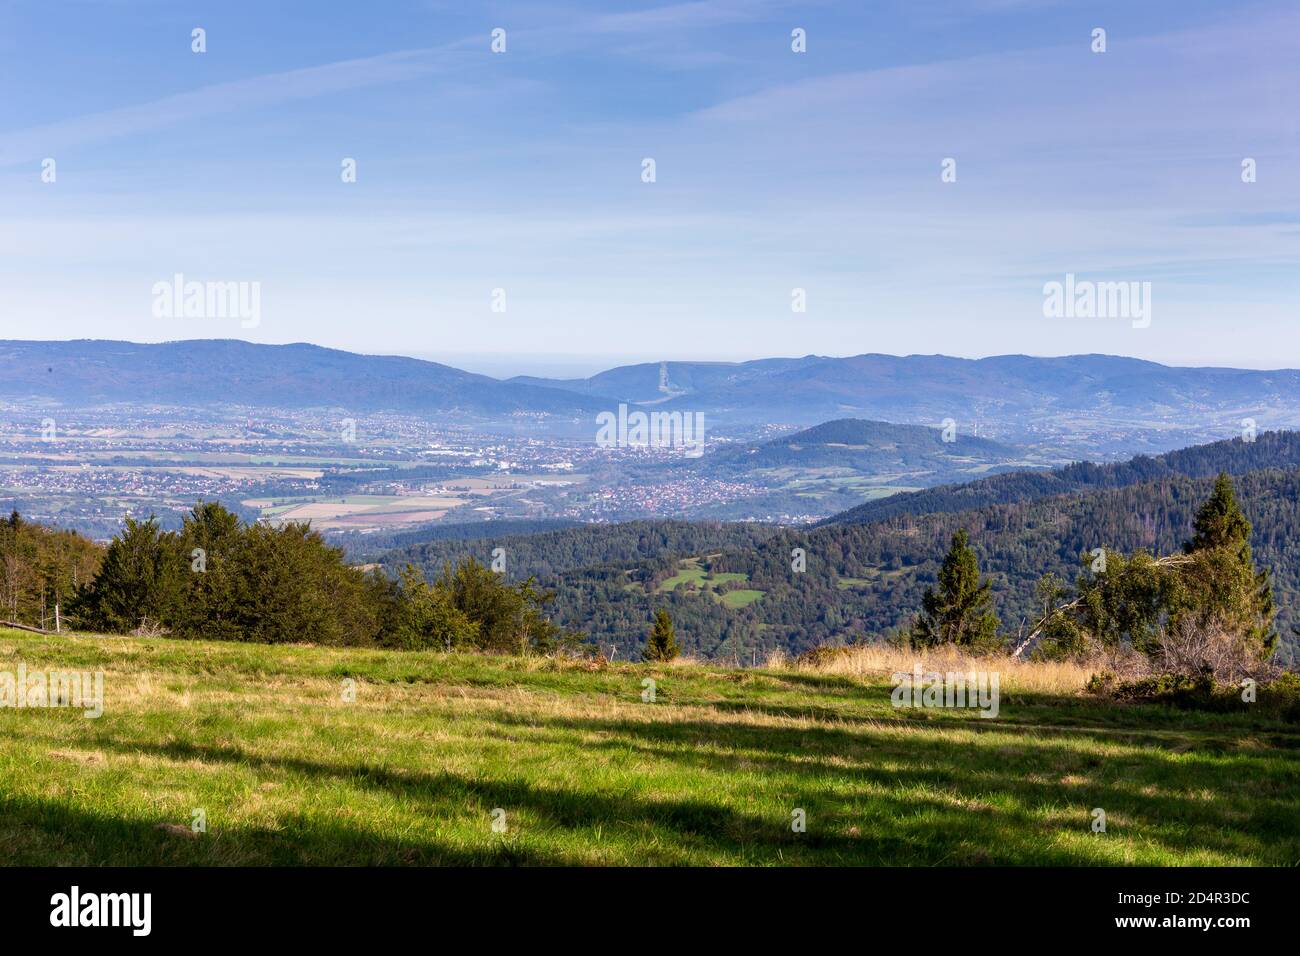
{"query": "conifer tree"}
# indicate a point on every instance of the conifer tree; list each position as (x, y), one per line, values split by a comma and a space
(426, 618)
(1222, 587)
(138, 583)
(959, 611)
(662, 644)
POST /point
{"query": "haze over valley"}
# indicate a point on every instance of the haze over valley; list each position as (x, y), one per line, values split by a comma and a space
(94, 431)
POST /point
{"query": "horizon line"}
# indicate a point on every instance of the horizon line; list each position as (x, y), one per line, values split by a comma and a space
(632, 361)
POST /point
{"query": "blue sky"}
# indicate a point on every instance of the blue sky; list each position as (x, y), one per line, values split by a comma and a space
(775, 170)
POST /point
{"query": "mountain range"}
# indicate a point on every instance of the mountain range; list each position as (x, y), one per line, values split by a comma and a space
(230, 372)
(1013, 397)
(929, 388)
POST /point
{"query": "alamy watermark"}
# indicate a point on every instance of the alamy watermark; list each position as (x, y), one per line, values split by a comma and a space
(683, 430)
(44, 689)
(75, 908)
(179, 299)
(974, 689)
(1086, 299)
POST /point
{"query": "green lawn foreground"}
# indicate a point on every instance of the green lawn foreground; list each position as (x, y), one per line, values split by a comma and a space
(288, 772)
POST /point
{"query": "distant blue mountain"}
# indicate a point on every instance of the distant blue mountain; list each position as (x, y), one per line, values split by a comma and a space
(929, 388)
(226, 371)
(1018, 396)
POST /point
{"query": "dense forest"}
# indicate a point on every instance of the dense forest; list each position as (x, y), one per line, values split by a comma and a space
(864, 580)
(732, 590)
(364, 547)
(222, 579)
(41, 569)
(1236, 457)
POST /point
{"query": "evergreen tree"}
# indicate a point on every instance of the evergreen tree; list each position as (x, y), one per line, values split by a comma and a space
(210, 541)
(1210, 591)
(138, 584)
(1222, 587)
(959, 611)
(1219, 522)
(425, 617)
(662, 644)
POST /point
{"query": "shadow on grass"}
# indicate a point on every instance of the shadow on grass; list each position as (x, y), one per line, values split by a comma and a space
(1243, 806)
(38, 832)
(872, 796)
(903, 829)
(946, 806)
(1138, 725)
(679, 824)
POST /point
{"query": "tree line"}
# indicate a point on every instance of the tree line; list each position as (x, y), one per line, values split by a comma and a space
(1208, 598)
(41, 569)
(1237, 456)
(1174, 553)
(870, 579)
(217, 577)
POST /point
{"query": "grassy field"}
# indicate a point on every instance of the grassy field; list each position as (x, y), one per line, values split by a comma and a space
(741, 597)
(691, 574)
(586, 772)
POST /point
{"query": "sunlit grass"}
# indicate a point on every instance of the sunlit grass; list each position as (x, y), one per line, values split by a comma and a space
(287, 771)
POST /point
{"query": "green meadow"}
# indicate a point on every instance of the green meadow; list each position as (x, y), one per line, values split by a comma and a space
(692, 575)
(310, 755)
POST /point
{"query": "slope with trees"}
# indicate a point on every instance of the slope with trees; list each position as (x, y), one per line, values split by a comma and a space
(1279, 449)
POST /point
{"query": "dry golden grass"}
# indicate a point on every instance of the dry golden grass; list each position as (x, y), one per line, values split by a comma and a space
(882, 660)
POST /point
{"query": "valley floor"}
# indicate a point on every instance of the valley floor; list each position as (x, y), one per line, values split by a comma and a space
(286, 771)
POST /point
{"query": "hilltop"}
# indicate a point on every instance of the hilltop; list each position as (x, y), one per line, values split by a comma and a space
(866, 447)
(1236, 456)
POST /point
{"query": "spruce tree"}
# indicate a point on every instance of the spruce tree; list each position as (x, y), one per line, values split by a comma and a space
(424, 616)
(1219, 522)
(662, 644)
(1223, 589)
(209, 543)
(959, 611)
(138, 582)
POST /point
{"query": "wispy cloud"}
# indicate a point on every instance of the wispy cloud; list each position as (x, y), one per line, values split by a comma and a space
(687, 16)
(775, 170)
(255, 93)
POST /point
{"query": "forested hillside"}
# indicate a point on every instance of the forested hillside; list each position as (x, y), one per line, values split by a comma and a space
(1279, 449)
(644, 546)
(733, 592)
(866, 446)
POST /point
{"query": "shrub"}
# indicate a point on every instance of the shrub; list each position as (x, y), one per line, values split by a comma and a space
(1102, 684)
(820, 656)
(1191, 648)
(1282, 697)
(1279, 697)
(1178, 690)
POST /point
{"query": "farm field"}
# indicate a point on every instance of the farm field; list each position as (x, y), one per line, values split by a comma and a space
(360, 512)
(286, 770)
